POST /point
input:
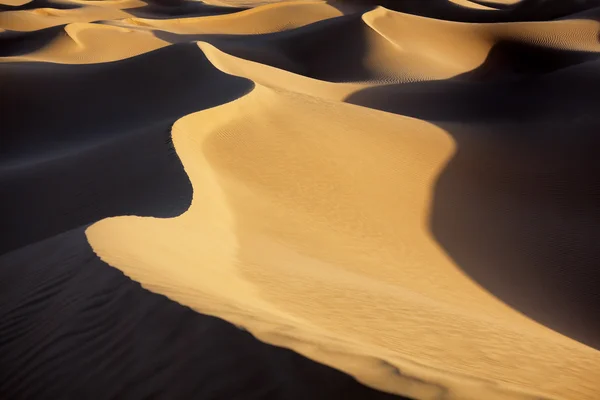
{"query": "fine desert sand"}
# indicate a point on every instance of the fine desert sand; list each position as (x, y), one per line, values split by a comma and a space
(407, 193)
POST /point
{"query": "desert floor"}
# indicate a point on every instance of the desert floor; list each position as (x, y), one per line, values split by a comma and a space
(300, 199)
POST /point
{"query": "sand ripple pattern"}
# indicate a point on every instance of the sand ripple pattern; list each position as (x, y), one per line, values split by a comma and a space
(406, 193)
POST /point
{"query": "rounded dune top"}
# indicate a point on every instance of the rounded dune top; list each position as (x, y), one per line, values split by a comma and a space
(269, 18)
(14, 2)
(314, 236)
(322, 142)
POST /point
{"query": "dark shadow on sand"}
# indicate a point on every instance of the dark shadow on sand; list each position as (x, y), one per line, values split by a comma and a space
(163, 9)
(518, 206)
(525, 10)
(15, 43)
(317, 50)
(83, 142)
(72, 327)
(40, 4)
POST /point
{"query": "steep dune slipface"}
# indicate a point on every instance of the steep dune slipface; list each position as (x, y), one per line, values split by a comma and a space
(270, 18)
(314, 235)
(435, 238)
(55, 166)
(40, 18)
(81, 43)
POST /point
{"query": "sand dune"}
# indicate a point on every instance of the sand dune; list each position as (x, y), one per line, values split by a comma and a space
(405, 194)
(40, 18)
(74, 327)
(324, 244)
(269, 18)
(14, 3)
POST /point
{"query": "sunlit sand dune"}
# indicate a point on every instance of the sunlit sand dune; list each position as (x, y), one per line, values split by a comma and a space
(269, 18)
(404, 196)
(14, 2)
(306, 239)
(40, 18)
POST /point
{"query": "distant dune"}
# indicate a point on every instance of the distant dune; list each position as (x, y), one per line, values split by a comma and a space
(300, 200)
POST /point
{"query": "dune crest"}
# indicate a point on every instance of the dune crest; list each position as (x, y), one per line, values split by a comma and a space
(317, 137)
(268, 18)
(324, 231)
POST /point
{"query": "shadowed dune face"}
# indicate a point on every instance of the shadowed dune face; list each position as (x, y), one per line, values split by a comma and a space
(48, 162)
(14, 43)
(400, 196)
(33, 4)
(329, 250)
(390, 48)
(148, 82)
(481, 11)
(182, 9)
(516, 206)
(74, 327)
(516, 80)
(315, 51)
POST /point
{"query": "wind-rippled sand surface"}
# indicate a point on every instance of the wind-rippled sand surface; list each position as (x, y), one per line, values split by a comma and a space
(408, 194)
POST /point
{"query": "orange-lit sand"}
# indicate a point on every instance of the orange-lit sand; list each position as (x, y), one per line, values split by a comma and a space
(311, 219)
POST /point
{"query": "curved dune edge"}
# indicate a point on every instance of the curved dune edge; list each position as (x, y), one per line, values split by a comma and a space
(470, 4)
(264, 19)
(81, 40)
(255, 194)
(41, 18)
(405, 47)
(310, 219)
(14, 3)
(88, 43)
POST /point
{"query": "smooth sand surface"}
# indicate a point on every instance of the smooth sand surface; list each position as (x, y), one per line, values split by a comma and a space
(74, 327)
(406, 194)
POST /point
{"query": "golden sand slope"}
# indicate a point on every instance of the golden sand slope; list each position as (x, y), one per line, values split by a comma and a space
(314, 236)
(310, 221)
(14, 3)
(40, 18)
(269, 18)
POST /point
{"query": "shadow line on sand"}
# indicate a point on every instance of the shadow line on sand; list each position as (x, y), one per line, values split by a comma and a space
(517, 206)
(71, 326)
(15, 43)
(180, 9)
(35, 4)
(312, 50)
(50, 164)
